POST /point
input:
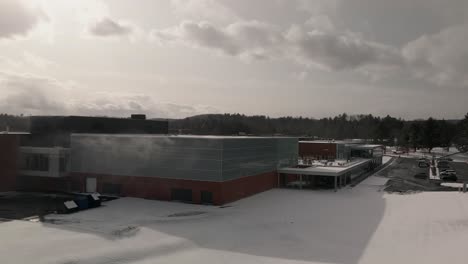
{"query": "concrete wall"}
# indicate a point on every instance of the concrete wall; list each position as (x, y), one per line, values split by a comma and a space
(9, 144)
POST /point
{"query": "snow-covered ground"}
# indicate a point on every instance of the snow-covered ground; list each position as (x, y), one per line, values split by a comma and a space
(386, 159)
(437, 152)
(353, 225)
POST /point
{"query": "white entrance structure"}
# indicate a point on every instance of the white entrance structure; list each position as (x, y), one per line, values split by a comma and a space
(341, 174)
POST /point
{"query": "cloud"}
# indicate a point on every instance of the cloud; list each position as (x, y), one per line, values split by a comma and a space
(314, 43)
(38, 95)
(245, 38)
(336, 50)
(442, 57)
(204, 10)
(107, 27)
(17, 18)
(37, 61)
(125, 104)
(30, 94)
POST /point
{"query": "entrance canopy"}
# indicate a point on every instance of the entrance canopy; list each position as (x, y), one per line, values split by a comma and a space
(332, 171)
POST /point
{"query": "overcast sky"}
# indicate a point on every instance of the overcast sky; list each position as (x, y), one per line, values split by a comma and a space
(314, 58)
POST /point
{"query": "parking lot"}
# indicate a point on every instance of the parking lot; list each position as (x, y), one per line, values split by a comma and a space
(402, 176)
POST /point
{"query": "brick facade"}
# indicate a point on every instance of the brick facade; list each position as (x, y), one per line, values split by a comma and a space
(160, 188)
(317, 150)
(9, 145)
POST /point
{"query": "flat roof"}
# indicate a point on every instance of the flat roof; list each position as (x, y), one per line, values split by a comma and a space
(176, 136)
(322, 142)
(325, 170)
(13, 133)
(367, 146)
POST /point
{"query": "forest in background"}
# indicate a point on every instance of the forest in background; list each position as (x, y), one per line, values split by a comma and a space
(388, 130)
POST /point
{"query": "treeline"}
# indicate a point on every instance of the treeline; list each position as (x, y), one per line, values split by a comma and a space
(388, 130)
(14, 123)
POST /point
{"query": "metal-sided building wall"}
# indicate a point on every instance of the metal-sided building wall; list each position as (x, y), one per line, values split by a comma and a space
(253, 156)
(148, 156)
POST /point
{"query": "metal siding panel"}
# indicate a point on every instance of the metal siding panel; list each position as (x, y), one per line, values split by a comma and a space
(165, 157)
(252, 156)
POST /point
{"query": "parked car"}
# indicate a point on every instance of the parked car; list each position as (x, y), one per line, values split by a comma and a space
(448, 172)
(446, 159)
(421, 176)
(423, 164)
(449, 178)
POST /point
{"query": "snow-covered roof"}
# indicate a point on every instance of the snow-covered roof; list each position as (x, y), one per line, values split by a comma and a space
(175, 136)
(323, 142)
(367, 146)
(325, 170)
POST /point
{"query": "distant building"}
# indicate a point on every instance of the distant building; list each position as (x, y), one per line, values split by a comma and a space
(55, 131)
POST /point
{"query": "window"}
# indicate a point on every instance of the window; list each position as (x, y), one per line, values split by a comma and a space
(35, 162)
(63, 164)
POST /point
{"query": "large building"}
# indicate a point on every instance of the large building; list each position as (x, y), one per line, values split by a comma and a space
(85, 154)
(199, 169)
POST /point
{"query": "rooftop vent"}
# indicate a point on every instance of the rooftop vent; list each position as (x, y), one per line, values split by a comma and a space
(138, 116)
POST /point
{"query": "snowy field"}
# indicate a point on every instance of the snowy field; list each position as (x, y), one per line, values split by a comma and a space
(354, 225)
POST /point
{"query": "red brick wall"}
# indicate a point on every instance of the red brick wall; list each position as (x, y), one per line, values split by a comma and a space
(160, 188)
(8, 161)
(317, 150)
(247, 186)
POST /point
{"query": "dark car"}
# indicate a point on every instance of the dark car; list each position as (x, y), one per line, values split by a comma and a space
(423, 164)
(449, 176)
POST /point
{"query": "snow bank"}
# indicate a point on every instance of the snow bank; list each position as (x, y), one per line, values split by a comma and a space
(355, 225)
(386, 159)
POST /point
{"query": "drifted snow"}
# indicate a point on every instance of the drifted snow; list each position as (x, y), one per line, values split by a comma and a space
(386, 159)
(353, 225)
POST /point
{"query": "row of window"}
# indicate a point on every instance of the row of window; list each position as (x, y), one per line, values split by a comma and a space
(40, 162)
